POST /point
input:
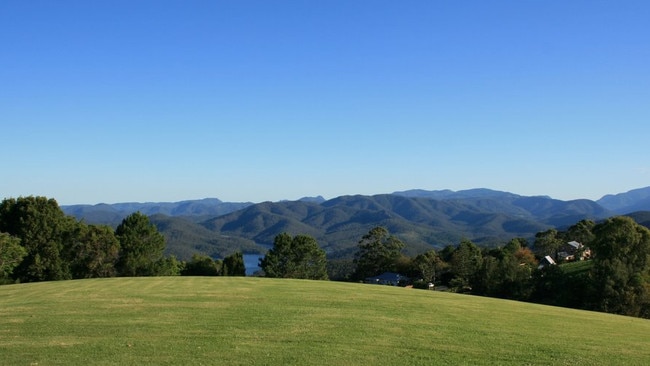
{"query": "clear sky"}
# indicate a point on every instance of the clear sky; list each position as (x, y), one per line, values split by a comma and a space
(123, 100)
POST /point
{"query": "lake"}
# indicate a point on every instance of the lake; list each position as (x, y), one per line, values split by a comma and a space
(251, 262)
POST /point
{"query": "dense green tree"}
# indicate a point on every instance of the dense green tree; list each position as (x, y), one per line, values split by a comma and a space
(404, 264)
(549, 286)
(582, 232)
(563, 285)
(446, 275)
(295, 257)
(506, 272)
(465, 263)
(41, 226)
(548, 243)
(340, 269)
(515, 272)
(488, 281)
(446, 253)
(233, 265)
(141, 247)
(93, 251)
(377, 252)
(167, 266)
(621, 269)
(11, 254)
(428, 266)
(515, 244)
(202, 265)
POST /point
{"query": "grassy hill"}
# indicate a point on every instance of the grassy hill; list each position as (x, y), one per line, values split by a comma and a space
(246, 321)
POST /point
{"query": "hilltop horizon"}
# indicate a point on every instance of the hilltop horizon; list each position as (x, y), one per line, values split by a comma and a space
(322, 197)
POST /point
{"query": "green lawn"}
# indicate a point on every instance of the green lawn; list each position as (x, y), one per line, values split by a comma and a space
(576, 268)
(244, 321)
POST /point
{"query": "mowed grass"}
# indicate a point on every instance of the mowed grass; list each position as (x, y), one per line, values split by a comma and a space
(258, 321)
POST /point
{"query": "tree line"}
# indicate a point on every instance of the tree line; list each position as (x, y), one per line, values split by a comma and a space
(616, 279)
(38, 242)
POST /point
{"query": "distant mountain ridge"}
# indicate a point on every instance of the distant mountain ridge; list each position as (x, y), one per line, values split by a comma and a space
(194, 210)
(449, 194)
(423, 223)
(422, 219)
(624, 203)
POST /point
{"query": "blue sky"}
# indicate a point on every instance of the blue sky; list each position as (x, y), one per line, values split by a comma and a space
(114, 101)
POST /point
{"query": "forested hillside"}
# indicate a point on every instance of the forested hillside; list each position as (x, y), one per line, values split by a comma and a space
(192, 210)
(631, 201)
(38, 242)
(423, 223)
(422, 219)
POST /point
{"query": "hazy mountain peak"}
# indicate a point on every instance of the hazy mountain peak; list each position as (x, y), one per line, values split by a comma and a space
(630, 201)
(316, 199)
(462, 194)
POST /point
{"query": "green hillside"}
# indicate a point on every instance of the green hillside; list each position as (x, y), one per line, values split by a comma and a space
(248, 321)
(422, 223)
(422, 219)
(185, 238)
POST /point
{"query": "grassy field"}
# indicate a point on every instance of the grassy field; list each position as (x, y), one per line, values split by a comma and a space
(257, 321)
(576, 268)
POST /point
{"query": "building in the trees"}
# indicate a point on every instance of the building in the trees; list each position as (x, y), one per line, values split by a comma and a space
(546, 261)
(388, 278)
(572, 251)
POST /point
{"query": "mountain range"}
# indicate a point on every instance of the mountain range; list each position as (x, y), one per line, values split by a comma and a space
(421, 219)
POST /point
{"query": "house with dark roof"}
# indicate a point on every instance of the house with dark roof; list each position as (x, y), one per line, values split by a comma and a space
(546, 261)
(388, 278)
